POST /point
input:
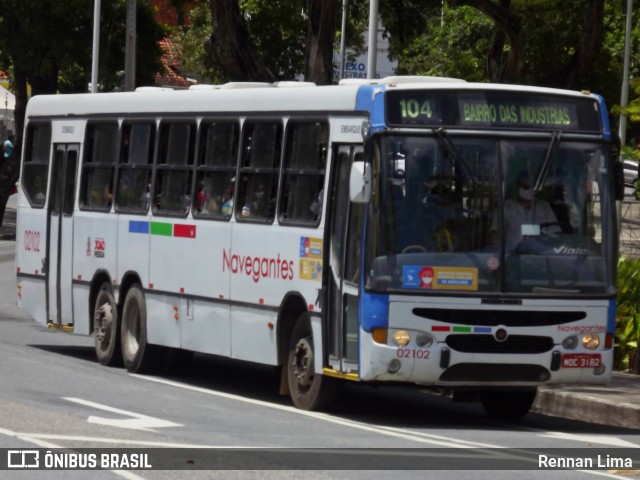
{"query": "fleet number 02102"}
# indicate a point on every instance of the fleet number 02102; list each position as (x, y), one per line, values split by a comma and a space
(413, 353)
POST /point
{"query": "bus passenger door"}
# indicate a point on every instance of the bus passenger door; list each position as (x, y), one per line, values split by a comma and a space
(60, 233)
(344, 265)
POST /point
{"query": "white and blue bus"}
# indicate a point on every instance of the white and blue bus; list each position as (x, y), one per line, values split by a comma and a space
(410, 230)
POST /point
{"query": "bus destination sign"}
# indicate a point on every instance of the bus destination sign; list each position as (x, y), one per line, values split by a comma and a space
(415, 108)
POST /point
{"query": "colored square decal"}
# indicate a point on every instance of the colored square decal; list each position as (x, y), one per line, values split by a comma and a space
(311, 258)
(136, 226)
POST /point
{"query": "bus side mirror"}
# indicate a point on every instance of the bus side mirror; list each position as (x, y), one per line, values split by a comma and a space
(360, 182)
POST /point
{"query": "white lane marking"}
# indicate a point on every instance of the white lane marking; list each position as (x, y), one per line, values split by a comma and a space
(138, 422)
(141, 443)
(599, 439)
(419, 437)
(393, 432)
(430, 439)
(36, 440)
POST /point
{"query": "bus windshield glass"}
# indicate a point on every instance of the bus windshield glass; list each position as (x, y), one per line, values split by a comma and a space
(454, 214)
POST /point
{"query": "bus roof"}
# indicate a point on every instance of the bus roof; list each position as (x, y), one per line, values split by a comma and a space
(253, 97)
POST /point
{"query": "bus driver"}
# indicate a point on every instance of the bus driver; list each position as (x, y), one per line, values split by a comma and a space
(524, 211)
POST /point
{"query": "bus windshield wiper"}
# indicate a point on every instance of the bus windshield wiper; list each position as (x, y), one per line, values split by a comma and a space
(445, 144)
(546, 164)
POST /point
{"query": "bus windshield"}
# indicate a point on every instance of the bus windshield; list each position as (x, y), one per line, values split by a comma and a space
(492, 215)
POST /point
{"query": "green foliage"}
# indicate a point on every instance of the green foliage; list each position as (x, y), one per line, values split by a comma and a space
(190, 40)
(276, 27)
(627, 314)
(454, 44)
(53, 41)
(28, 29)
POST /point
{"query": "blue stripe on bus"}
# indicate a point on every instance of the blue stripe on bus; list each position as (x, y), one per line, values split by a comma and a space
(606, 126)
(482, 329)
(136, 226)
(611, 317)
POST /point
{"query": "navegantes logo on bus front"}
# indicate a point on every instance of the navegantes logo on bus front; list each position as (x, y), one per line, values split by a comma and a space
(257, 267)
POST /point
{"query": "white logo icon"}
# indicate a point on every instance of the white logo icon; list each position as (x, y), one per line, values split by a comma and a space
(23, 459)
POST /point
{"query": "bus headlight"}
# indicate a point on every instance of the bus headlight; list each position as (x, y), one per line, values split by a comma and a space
(570, 342)
(401, 337)
(591, 341)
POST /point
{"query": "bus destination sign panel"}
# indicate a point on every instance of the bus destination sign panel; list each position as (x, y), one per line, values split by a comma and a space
(491, 109)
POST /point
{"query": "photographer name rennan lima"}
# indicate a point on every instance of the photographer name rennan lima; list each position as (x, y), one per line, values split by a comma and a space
(601, 461)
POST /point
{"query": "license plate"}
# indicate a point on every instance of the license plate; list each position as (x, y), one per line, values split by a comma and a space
(581, 360)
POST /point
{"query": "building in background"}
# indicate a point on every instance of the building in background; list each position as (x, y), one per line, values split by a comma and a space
(357, 68)
(172, 74)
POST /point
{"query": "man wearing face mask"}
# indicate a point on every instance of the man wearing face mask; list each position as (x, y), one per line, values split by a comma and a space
(525, 215)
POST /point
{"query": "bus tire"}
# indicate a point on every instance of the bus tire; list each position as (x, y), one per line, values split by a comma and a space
(137, 354)
(508, 405)
(308, 390)
(106, 327)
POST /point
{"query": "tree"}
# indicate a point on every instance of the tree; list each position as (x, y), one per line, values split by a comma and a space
(190, 39)
(47, 44)
(525, 42)
(259, 40)
(321, 35)
(231, 47)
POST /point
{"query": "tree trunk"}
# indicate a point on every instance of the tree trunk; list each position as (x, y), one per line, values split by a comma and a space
(578, 64)
(511, 25)
(231, 47)
(320, 39)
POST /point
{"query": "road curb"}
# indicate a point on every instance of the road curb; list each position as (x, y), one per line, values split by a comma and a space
(576, 405)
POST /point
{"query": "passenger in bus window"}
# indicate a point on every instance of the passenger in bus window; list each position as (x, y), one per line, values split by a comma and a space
(39, 189)
(524, 210)
(316, 205)
(227, 198)
(202, 198)
(258, 206)
(441, 209)
(107, 195)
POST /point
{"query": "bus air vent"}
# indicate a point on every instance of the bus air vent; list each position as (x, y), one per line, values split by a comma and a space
(488, 344)
(490, 372)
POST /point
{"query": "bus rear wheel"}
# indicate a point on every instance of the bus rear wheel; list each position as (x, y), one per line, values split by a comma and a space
(508, 405)
(137, 354)
(106, 328)
(308, 390)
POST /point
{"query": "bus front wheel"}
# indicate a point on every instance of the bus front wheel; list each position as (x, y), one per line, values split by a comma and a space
(308, 390)
(137, 354)
(106, 329)
(508, 405)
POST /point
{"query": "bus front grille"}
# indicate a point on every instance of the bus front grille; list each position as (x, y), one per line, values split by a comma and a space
(488, 344)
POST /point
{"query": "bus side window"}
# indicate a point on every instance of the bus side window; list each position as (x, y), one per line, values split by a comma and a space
(259, 170)
(216, 169)
(303, 172)
(134, 176)
(98, 166)
(174, 172)
(35, 174)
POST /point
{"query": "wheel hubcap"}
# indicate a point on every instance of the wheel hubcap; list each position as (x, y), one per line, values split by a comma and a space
(303, 362)
(103, 324)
